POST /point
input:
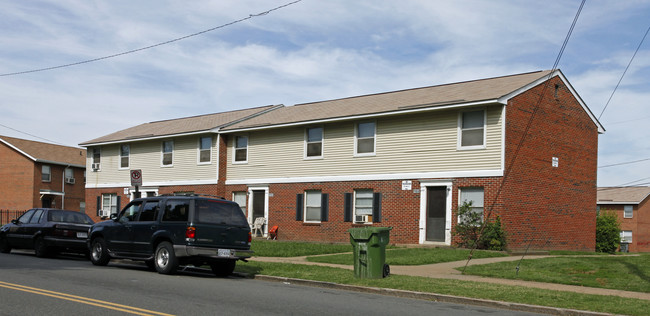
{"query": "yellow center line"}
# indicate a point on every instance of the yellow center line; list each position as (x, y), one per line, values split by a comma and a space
(81, 299)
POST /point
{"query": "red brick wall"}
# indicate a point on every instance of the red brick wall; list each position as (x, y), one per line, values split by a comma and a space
(547, 207)
(17, 185)
(639, 224)
(74, 193)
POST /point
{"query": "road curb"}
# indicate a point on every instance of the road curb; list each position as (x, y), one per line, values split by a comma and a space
(433, 297)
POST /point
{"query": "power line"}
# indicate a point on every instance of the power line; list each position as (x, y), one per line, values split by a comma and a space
(624, 163)
(32, 135)
(526, 130)
(150, 46)
(626, 68)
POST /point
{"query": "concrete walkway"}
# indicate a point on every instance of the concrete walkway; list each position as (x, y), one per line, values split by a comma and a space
(447, 271)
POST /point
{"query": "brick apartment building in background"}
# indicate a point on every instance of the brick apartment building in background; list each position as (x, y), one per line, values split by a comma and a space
(37, 174)
(632, 206)
(405, 159)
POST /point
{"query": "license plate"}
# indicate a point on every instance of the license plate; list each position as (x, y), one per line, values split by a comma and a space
(223, 252)
(82, 235)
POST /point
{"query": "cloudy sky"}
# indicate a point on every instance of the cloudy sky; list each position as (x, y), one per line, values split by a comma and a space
(308, 51)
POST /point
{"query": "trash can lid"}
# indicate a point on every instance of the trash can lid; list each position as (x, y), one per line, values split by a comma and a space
(366, 232)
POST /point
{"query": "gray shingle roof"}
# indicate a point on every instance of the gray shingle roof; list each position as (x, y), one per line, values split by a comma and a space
(622, 195)
(179, 126)
(46, 152)
(427, 97)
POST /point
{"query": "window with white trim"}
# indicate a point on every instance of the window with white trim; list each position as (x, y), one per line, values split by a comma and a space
(626, 236)
(241, 149)
(109, 204)
(472, 129)
(167, 153)
(46, 173)
(363, 204)
(476, 197)
(97, 155)
(205, 149)
(313, 199)
(365, 138)
(628, 211)
(314, 142)
(69, 175)
(240, 198)
(125, 152)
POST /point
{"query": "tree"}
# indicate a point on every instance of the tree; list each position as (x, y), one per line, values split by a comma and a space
(608, 230)
(473, 232)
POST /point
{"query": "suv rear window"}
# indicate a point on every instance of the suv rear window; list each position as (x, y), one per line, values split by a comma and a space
(215, 212)
(176, 211)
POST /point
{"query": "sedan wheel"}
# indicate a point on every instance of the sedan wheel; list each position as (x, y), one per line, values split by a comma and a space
(4, 245)
(165, 259)
(40, 249)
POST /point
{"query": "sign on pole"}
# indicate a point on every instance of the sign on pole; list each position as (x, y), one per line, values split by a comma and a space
(136, 177)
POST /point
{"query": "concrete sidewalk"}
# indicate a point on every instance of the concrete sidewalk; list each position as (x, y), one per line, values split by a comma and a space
(448, 270)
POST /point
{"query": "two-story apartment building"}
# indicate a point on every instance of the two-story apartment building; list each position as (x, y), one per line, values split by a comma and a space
(632, 206)
(174, 156)
(407, 159)
(37, 174)
(521, 147)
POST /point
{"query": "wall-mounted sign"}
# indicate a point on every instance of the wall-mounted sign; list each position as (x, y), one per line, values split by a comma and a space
(407, 185)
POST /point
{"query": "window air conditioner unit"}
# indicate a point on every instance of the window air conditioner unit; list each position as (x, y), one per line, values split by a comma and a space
(361, 218)
(69, 180)
(95, 166)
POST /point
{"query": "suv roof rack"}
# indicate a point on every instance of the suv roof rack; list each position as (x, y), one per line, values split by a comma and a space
(193, 194)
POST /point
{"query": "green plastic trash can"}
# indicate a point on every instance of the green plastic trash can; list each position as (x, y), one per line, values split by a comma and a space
(369, 245)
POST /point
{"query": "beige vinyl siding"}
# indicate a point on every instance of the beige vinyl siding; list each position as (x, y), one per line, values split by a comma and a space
(415, 143)
(146, 155)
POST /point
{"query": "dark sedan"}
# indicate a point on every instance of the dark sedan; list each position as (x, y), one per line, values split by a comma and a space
(47, 231)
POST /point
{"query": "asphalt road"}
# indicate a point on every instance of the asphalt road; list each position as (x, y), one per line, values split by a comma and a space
(71, 285)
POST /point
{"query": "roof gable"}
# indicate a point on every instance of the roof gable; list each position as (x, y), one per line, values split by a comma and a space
(47, 153)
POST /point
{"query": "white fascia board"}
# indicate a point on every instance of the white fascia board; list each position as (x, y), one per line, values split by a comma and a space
(131, 140)
(150, 184)
(616, 203)
(504, 99)
(18, 150)
(362, 116)
(376, 177)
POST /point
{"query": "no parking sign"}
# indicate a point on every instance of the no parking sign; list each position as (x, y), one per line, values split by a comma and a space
(136, 177)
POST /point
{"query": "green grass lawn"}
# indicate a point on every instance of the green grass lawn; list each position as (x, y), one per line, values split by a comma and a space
(516, 294)
(413, 256)
(628, 273)
(274, 248)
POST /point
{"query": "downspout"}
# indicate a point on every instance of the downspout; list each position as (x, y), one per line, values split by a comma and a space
(63, 188)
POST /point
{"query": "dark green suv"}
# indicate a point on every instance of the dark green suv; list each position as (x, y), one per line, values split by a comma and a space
(168, 231)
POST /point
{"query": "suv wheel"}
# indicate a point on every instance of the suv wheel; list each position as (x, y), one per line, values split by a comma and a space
(165, 259)
(98, 253)
(4, 245)
(40, 249)
(223, 268)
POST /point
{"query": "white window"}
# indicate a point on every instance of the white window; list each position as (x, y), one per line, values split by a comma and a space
(167, 153)
(69, 175)
(363, 206)
(109, 204)
(241, 149)
(125, 152)
(240, 198)
(314, 142)
(365, 139)
(46, 173)
(475, 196)
(628, 211)
(472, 129)
(97, 155)
(626, 236)
(205, 149)
(313, 206)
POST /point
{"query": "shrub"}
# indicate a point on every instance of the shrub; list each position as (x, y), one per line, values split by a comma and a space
(493, 237)
(608, 230)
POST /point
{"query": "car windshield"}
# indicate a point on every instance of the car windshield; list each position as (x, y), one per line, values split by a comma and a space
(68, 217)
(217, 212)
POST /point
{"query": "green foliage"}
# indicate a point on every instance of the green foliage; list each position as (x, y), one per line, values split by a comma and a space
(492, 237)
(608, 230)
